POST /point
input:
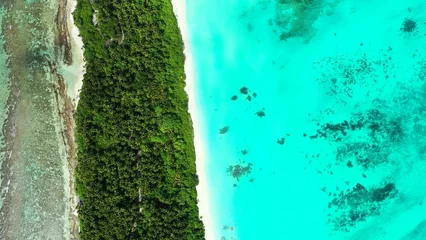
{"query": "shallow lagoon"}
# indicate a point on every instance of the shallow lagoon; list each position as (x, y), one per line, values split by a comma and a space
(4, 93)
(323, 106)
(35, 191)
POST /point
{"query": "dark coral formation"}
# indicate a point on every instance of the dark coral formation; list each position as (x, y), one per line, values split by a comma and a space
(261, 113)
(364, 154)
(244, 90)
(295, 18)
(358, 203)
(372, 132)
(408, 26)
(344, 74)
(380, 133)
(377, 124)
(380, 194)
(239, 170)
(235, 97)
(224, 130)
(281, 141)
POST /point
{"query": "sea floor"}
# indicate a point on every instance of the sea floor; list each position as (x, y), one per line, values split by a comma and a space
(35, 190)
(313, 115)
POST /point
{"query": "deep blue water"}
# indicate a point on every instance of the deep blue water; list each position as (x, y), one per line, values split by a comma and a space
(326, 136)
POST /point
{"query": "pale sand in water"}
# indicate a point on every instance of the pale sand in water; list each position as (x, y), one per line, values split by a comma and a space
(202, 191)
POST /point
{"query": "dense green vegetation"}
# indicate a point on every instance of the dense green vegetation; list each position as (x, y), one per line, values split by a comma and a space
(135, 171)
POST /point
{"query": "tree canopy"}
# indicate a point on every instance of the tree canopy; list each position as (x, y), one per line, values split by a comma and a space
(135, 173)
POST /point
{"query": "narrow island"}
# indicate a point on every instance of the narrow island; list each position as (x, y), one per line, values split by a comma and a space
(135, 175)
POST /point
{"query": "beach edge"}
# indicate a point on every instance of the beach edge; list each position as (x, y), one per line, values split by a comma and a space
(179, 8)
(78, 70)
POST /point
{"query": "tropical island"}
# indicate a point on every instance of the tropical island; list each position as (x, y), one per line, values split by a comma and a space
(136, 173)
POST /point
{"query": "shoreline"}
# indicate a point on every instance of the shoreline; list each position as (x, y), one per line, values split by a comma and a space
(77, 69)
(179, 9)
(75, 73)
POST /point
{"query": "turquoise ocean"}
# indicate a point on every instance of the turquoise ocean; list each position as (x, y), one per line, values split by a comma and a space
(313, 117)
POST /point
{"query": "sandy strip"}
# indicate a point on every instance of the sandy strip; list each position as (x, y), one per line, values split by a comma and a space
(78, 67)
(202, 190)
(75, 74)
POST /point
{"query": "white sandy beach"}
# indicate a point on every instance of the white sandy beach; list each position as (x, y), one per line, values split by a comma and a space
(77, 69)
(74, 80)
(202, 190)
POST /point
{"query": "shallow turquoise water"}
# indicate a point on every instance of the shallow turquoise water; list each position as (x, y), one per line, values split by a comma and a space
(4, 93)
(331, 144)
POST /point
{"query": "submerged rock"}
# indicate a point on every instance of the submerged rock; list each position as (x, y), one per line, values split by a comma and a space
(239, 170)
(381, 194)
(224, 130)
(281, 141)
(261, 113)
(408, 25)
(244, 90)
